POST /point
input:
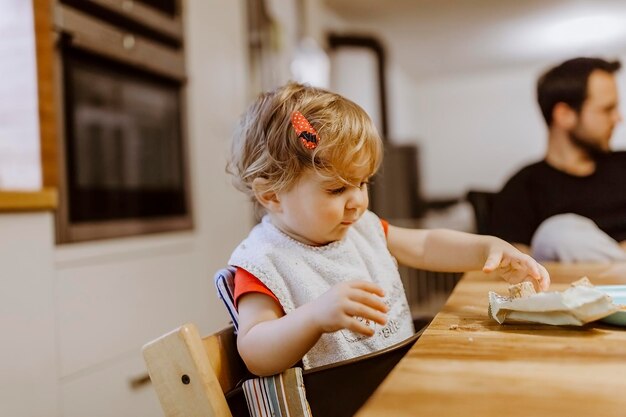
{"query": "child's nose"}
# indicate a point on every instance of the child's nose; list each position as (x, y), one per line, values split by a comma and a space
(358, 198)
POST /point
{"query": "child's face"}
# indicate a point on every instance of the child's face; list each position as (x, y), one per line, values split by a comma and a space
(316, 211)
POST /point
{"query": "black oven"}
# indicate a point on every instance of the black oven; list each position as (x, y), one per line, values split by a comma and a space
(123, 150)
(123, 133)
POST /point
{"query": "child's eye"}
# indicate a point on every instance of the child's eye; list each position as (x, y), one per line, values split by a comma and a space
(337, 191)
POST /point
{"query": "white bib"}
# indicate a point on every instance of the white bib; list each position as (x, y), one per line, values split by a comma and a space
(297, 274)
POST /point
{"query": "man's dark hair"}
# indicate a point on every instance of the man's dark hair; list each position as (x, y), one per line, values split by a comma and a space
(567, 83)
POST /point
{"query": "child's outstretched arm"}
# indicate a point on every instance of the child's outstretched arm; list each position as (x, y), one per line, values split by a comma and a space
(448, 250)
(270, 342)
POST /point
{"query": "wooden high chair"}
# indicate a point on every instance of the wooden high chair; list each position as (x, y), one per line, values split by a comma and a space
(191, 375)
(202, 377)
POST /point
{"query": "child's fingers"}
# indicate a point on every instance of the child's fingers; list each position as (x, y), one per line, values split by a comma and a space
(361, 310)
(369, 299)
(533, 267)
(545, 278)
(357, 326)
(367, 286)
(541, 284)
(536, 273)
(516, 276)
(493, 261)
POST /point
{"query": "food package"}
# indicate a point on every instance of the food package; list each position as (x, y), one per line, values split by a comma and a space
(579, 304)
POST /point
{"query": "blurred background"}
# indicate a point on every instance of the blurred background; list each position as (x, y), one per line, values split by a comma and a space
(115, 124)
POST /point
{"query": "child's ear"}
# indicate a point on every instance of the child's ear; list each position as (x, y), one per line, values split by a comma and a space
(266, 197)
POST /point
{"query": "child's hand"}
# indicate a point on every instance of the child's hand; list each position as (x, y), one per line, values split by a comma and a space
(515, 266)
(339, 307)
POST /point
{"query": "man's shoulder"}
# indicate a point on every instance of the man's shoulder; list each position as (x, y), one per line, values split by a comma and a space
(529, 171)
(620, 155)
(613, 162)
(535, 166)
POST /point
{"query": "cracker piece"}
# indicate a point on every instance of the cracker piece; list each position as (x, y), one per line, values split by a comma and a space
(522, 290)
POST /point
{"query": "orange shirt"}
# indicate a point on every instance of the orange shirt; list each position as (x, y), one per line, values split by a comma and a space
(246, 283)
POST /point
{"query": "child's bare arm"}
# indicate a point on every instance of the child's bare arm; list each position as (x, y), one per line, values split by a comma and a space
(262, 330)
(448, 250)
(437, 249)
(270, 342)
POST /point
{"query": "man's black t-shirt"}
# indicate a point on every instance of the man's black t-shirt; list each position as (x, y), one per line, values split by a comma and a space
(540, 191)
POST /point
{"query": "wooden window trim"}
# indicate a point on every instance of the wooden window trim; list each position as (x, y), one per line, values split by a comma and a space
(18, 201)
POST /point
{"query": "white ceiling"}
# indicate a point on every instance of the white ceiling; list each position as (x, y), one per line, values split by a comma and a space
(433, 37)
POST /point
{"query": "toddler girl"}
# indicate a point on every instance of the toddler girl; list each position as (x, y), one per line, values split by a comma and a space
(317, 279)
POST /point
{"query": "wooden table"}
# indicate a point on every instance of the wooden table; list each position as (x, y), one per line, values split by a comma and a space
(466, 364)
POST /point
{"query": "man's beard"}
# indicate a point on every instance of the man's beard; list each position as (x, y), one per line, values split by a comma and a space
(591, 148)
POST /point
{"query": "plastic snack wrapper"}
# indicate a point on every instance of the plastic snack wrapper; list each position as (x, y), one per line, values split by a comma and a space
(579, 304)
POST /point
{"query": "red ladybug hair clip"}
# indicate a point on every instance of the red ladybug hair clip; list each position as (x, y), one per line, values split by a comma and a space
(304, 130)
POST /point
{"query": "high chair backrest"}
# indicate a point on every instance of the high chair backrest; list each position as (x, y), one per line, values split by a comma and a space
(191, 374)
(224, 280)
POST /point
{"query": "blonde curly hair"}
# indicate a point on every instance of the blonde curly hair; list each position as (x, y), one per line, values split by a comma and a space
(265, 144)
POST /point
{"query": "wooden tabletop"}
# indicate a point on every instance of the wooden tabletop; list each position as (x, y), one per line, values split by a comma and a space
(466, 364)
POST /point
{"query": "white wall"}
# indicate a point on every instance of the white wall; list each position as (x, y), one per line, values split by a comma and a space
(217, 67)
(473, 130)
(28, 352)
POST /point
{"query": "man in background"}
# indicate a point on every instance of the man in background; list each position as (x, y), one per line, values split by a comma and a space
(571, 206)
